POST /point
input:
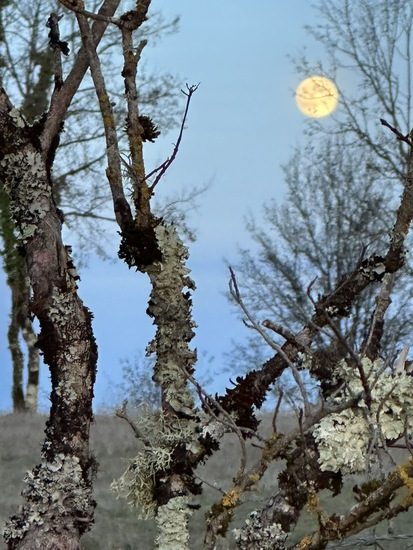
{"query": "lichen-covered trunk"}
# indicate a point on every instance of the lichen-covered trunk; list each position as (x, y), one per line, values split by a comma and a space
(58, 505)
(170, 306)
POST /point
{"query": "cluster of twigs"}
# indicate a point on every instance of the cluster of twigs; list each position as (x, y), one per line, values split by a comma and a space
(303, 477)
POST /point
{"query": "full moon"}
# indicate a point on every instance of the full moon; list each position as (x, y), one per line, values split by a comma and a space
(316, 96)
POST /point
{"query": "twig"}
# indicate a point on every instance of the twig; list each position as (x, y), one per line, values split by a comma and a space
(114, 174)
(400, 362)
(406, 138)
(206, 399)
(209, 484)
(59, 47)
(167, 163)
(235, 293)
(301, 386)
(276, 410)
(371, 346)
(353, 354)
(122, 413)
(91, 215)
(91, 15)
(288, 335)
(406, 437)
(61, 100)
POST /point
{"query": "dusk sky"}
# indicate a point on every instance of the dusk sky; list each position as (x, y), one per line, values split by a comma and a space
(243, 124)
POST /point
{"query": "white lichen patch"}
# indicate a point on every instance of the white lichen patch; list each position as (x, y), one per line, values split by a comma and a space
(214, 429)
(17, 117)
(172, 522)
(25, 181)
(342, 442)
(256, 535)
(62, 308)
(344, 438)
(54, 489)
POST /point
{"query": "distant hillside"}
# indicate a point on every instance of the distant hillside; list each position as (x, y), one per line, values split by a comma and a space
(116, 525)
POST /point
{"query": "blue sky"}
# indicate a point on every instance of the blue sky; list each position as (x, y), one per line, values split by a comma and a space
(242, 125)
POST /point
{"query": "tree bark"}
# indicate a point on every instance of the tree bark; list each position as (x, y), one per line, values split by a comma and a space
(58, 497)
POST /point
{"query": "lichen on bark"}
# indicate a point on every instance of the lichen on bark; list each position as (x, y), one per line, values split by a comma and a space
(53, 489)
(58, 504)
(172, 521)
(170, 306)
(159, 481)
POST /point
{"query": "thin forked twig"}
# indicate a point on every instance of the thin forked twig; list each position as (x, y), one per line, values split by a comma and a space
(209, 484)
(228, 421)
(276, 410)
(287, 334)
(235, 293)
(121, 412)
(167, 163)
(371, 346)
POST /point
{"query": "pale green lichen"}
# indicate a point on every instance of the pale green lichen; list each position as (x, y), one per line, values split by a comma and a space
(344, 438)
(62, 308)
(17, 117)
(172, 522)
(25, 181)
(52, 488)
(160, 440)
(216, 427)
(256, 535)
(171, 309)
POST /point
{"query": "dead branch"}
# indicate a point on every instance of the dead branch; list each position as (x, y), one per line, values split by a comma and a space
(77, 8)
(59, 47)
(121, 412)
(276, 411)
(360, 516)
(121, 207)
(222, 511)
(371, 346)
(62, 98)
(167, 163)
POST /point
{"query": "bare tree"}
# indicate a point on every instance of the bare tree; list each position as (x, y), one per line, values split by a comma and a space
(359, 392)
(337, 209)
(339, 199)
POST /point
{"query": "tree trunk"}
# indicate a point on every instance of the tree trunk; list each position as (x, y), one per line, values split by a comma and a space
(58, 497)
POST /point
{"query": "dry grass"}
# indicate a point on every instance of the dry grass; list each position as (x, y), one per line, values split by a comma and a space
(117, 527)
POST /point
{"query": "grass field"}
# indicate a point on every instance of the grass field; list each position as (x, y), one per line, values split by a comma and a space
(117, 527)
